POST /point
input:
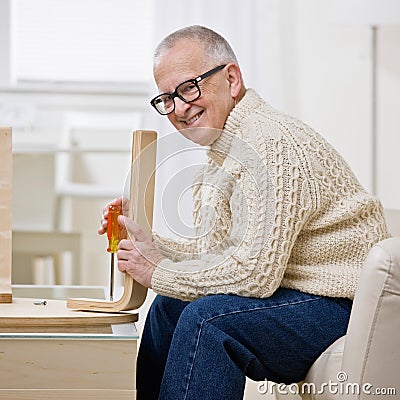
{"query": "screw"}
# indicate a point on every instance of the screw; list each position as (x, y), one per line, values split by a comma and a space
(40, 302)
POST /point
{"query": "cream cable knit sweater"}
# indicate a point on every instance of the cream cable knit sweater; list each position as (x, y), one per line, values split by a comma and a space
(275, 205)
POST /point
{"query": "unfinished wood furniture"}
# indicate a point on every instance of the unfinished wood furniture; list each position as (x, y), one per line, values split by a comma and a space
(141, 210)
(5, 214)
(51, 352)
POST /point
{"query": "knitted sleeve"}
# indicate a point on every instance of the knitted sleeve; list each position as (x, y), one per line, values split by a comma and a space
(176, 249)
(257, 203)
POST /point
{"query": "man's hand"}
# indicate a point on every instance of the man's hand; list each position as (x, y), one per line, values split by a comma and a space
(121, 202)
(137, 255)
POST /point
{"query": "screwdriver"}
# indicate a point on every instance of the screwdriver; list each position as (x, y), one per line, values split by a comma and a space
(113, 240)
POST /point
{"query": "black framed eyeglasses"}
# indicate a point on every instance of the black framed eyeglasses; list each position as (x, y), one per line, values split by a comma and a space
(187, 91)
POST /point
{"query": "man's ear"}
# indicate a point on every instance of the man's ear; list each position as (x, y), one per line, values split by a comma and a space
(234, 76)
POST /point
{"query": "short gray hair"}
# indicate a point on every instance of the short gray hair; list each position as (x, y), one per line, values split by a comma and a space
(216, 48)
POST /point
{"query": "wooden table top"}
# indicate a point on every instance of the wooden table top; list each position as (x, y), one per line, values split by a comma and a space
(24, 313)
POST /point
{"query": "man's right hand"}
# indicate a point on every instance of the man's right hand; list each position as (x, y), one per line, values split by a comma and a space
(124, 204)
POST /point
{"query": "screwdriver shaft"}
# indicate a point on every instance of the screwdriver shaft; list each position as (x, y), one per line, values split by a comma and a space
(112, 278)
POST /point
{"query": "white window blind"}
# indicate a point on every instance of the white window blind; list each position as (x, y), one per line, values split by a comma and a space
(106, 41)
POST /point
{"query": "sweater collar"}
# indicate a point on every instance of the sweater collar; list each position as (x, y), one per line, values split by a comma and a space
(221, 147)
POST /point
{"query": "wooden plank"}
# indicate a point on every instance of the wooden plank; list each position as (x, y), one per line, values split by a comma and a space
(5, 214)
(141, 210)
(24, 316)
(66, 394)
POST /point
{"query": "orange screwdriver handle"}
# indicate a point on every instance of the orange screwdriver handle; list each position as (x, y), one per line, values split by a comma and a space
(113, 228)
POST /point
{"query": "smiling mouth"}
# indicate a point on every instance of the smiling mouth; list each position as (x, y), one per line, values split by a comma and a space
(194, 119)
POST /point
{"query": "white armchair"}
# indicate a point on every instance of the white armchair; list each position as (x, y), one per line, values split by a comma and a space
(366, 362)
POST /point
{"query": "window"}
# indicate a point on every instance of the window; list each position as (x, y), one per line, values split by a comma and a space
(75, 41)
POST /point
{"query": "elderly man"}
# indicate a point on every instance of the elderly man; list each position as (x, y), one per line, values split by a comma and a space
(282, 229)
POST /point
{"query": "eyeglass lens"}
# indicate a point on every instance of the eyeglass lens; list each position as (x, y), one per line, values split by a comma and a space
(186, 91)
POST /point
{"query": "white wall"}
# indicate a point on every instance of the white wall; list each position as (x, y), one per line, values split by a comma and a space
(5, 42)
(328, 85)
(389, 116)
(329, 68)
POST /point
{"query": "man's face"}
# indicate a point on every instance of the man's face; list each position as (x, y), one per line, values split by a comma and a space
(186, 60)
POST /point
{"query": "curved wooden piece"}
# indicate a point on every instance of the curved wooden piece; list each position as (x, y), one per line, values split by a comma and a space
(5, 214)
(141, 209)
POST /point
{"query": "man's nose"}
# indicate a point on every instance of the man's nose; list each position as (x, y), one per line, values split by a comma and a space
(181, 107)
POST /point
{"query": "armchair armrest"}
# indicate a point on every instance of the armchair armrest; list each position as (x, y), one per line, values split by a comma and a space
(372, 351)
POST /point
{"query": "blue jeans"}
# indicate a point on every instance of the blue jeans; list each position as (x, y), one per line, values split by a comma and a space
(203, 350)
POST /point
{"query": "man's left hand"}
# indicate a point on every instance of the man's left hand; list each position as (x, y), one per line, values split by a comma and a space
(137, 255)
